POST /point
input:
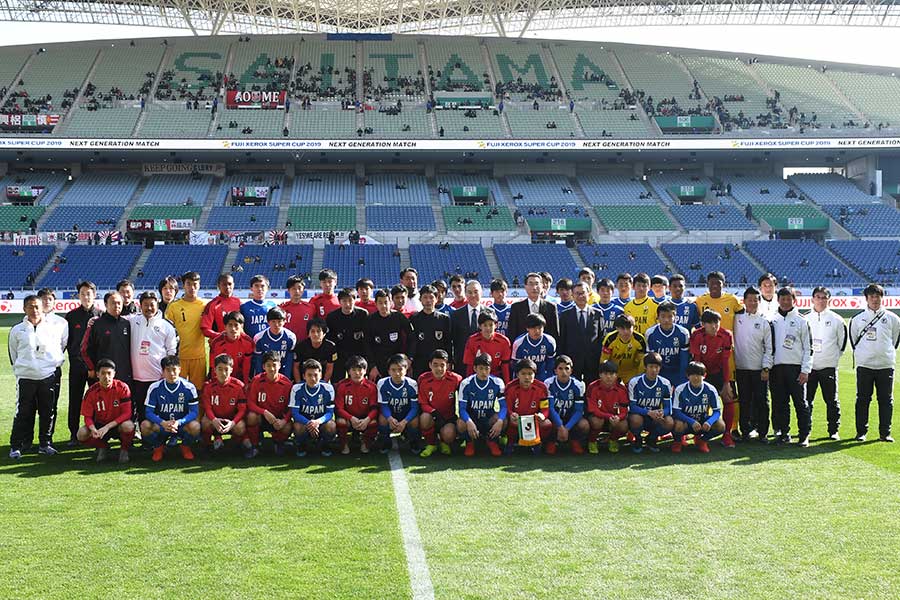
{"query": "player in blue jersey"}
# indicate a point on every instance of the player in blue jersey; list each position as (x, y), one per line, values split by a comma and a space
(659, 286)
(535, 345)
(609, 309)
(672, 342)
(500, 306)
(479, 397)
(697, 409)
(398, 398)
(256, 309)
(649, 404)
(312, 406)
(172, 409)
(624, 283)
(686, 313)
(564, 292)
(441, 305)
(274, 338)
(566, 408)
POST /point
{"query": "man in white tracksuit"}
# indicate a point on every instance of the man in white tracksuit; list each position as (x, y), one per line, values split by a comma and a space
(792, 363)
(152, 339)
(36, 351)
(874, 335)
(829, 338)
(753, 360)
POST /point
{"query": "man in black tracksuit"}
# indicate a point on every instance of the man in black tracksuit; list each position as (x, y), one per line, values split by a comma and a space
(430, 332)
(387, 333)
(347, 329)
(109, 336)
(78, 319)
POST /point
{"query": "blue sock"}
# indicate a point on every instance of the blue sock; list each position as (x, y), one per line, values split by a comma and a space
(155, 439)
(384, 432)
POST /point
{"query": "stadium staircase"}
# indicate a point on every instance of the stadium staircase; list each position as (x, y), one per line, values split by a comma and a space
(220, 93)
(405, 260)
(15, 81)
(845, 263)
(51, 206)
(139, 264)
(90, 75)
(840, 93)
(423, 66)
(665, 208)
(317, 262)
(662, 256)
(230, 258)
(361, 225)
(152, 93)
(703, 94)
(285, 206)
(599, 228)
(295, 54)
(492, 262)
(440, 227)
(208, 204)
(753, 260)
(46, 268)
(550, 60)
(132, 202)
(488, 65)
(642, 115)
(360, 88)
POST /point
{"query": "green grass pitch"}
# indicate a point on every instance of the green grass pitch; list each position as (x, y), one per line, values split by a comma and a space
(754, 522)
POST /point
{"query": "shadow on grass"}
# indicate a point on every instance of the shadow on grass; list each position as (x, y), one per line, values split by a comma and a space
(81, 461)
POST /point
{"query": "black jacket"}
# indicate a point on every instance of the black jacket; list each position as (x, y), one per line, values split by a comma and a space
(429, 333)
(519, 310)
(108, 337)
(582, 345)
(78, 319)
(460, 330)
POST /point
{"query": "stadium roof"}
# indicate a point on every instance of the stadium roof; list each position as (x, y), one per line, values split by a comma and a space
(495, 17)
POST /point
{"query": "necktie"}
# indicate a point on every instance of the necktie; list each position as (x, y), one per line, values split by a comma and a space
(581, 319)
(534, 308)
(473, 321)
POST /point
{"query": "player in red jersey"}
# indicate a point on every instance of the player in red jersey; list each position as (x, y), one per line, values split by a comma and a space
(458, 289)
(224, 407)
(712, 345)
(326, 301)
(526, 396)
(437, 400)
(236, 344)
(364, 289)
(267, 403)
(106, 409)
(356, 406)
(299, 312)
(495, 345)
(212, 319)
(607, 407)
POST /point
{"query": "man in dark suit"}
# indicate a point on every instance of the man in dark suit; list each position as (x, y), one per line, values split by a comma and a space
(464, 323)
(519, 310)
(581, 330)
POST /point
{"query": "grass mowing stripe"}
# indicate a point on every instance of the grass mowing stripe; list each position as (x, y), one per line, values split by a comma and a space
(419, 576)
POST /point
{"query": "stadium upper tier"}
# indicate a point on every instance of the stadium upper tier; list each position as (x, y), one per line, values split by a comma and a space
(424, 87)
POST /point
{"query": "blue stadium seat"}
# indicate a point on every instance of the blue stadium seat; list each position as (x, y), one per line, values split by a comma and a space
(397, 189)
(269, 256)
(52, 182)
(329, 189)
(788, 259)
(270, 180)
(621, 258)
(711, 257)
(167, 190)
(104, 265)
(517, 260)
(707, 217)
(101, 189)
(14, 270)
(870, 257)
(88, 218)
(400, 218)
(238, 218)
(870, 220)
(542, 190)
(177, 259)
(380, 264)
(433, 262)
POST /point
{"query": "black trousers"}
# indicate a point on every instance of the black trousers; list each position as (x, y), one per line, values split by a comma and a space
(139, 391)
(754, 402)
(827, 380)
(882, 380)
(33, 397)
(785, 389)
(78, 381)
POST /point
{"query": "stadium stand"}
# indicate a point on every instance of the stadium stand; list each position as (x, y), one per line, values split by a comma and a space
(242, 218)
(331, 189)
(474, 218)
(807, 89)
(248, 123)
(482, 124)
(332, 123)
(397, 189)
(111, 122)
(18, 218)
(608, 260)
(412, 122)
(194, 70)
(663, 182)
(104, 265)
(869, 221)
(634, 218)
(52, 80)
(326, 71)
(101, 189)
(694, 261)
(21, 265)
(448, 181)
(321, 218)
(271, 261)
(174, 190)
(11, 60)
(51, 182)
(662, 78)
(455, 64)
(831, 188)
(380, 263)
(434, 261)
(757, 189)
(147, 211)
(169, 120)
(801, 263)
(274, 181)
(873, 94)
(877, 260)
(542, 190)
(176, 259)
(86, 218)
(517, 260)
(392, 70)
(400, 218)
(520, 71)
(527, 123)
(261, 64)
(768, 212)
(708, 217)
(588, 71)
(600, 122)
(614, 190)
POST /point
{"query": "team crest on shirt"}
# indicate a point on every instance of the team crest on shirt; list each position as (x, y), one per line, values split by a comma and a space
(357, 335)
(232, 401)
(115, 403)
(658, 392)
(394, 336)
(756, 326)
(438, 335)
(727, 309)
(124, 331)
(181, 397)
(156, 328)
(421, 336)
(675, 342)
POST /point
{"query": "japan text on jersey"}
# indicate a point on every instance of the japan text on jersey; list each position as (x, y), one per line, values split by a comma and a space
(480, 397)
(312, 402)
(564, 396)
(397, 397)
(650, 395)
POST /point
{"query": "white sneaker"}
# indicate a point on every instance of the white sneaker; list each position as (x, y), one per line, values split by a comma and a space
(102, 453)
(123, 457)
(47, 450)
(346, 449)
(218, 444)
(364, 447)
(15, 454)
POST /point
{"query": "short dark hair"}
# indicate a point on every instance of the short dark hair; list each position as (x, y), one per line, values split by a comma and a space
(458, 278)
(382, 293)
(310, 363)
(562, 359)
(535, 320)
(439, 284)
(167, 280)
(106, 296)
(605, 282)
(586, 271)
(766, 277)
(564, 284)
(487, 315)
(356, 362)
(44, 292)
(105, 363)
(87, 284)
(271, 356)
(398, 359)
(710, 316)
(33, 298)
(365, 282)
(666, 307)
(821, 289)
(676, 277)
(346, 292)
(626, 276)
(148, 295)
(327, 274)
(294, 280)
(659, 279)
(439, 355)
(275, 313)
(652, 358)
(873, 289)
(641, 278)
(715, 275)
(428, 289)
(223, 277)
(695, 368)
(624, 321)
(223, 359)
(482, 360)
(124, 283)
(408, 270)
(609, 366)
(259, 279)
(320, 323)
(234, 315)
(498, 285)
(398, 289)
(526, 363)
(190, 276)
(785, 291)
(751, 291)
(171, 360)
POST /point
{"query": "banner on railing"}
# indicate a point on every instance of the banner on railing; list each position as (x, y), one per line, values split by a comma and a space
(255, 99)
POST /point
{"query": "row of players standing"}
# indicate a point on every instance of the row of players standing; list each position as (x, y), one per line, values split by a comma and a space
(591, 322)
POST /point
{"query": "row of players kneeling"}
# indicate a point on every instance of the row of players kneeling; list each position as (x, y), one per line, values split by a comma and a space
(440, 411)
